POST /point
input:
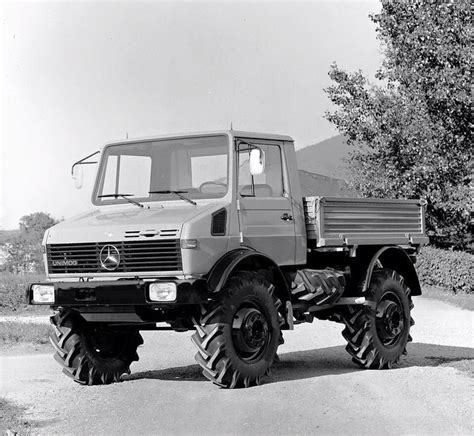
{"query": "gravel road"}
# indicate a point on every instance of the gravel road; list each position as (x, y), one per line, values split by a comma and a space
(314, 389)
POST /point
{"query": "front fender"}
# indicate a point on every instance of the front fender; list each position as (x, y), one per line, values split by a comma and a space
(248, 260)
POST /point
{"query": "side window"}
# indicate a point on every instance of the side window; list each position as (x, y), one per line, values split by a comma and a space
(267, 184)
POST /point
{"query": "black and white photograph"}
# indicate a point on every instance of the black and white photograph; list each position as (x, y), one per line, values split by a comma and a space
(236, 217)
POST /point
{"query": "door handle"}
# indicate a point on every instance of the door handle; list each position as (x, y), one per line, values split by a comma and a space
(286, 217)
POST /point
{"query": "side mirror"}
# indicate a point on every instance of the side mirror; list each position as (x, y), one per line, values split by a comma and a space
(77, 176)
(256, 162)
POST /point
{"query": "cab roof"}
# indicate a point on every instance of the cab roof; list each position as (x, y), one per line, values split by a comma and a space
(232, 133)
(257, 135)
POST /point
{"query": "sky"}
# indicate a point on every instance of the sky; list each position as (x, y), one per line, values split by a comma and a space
(78, 75)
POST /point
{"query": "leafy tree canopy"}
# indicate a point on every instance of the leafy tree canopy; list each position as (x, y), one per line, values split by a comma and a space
(411, 132)
(37, 222)
(23, 250)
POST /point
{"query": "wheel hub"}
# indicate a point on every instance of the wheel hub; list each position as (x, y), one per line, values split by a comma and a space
(390, 320)
(250, 331)
(105, 344)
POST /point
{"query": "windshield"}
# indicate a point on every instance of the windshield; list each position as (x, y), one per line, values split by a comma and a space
(196, 167)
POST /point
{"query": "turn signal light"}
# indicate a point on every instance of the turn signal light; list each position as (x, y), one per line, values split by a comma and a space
(189, 243)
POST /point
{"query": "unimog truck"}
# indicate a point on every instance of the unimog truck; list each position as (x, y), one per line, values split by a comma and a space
(211, 232)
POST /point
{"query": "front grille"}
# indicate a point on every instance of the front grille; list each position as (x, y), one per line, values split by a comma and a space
(136, 256)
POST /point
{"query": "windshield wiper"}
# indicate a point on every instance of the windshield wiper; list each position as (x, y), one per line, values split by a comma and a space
(177, 193)
(124, 196)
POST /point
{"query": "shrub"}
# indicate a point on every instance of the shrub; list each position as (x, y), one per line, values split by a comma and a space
(451, 270)
(13, 289)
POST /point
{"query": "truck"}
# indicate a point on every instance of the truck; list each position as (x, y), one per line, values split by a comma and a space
(211, 232)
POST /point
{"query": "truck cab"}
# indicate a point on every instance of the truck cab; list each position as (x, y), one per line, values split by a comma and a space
(189, 188)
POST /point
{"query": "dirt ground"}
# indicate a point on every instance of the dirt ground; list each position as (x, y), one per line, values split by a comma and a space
(314, 389)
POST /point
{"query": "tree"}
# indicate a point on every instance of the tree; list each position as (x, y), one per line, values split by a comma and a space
(24, 253)
(37, 222)
(411, 133)
(23, 250)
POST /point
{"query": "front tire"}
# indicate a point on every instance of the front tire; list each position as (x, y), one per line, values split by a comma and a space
(377, 334)
(90, 353)
(237, 336)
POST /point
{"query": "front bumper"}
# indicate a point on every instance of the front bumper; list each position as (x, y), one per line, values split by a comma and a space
(120, 293)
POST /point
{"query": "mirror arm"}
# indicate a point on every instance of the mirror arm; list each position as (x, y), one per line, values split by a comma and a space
(81, 162)
(240, 142)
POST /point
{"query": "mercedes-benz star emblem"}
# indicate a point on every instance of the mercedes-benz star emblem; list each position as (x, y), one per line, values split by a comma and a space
(109, 257)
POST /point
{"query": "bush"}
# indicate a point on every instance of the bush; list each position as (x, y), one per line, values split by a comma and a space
(13, 288)
(450, 270)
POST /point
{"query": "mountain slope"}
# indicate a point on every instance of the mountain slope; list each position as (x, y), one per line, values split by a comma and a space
(326, 158)
(323, 186)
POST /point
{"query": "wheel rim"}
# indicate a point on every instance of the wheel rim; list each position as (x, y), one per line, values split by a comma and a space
(390, 319)
(250, 333)
(106, 344)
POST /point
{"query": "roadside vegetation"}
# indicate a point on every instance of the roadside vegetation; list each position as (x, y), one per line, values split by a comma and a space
(16, 333)
(464, 301)
(447, 276)
(452, 271)
(13, 293)
(23, 264)
(13, 303)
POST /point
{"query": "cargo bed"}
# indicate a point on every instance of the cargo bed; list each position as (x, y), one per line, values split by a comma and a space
(334, 222)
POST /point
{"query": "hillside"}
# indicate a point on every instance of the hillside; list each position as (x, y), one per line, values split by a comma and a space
(326, 158)
(323, 186)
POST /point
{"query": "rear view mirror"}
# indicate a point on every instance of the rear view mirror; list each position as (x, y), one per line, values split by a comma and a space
(257, 162)
(77, 176)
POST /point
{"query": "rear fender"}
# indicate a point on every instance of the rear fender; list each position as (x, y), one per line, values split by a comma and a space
(397, 259)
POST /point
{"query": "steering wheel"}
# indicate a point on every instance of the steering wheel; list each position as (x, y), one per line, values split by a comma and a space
(212, 183)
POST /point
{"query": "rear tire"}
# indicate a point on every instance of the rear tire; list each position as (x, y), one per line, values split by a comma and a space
(377, 334)
(238, 335)
(90, 353)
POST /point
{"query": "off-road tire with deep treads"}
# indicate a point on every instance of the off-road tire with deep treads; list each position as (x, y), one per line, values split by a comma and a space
(220, 352)
(365, 330)
(91, 353)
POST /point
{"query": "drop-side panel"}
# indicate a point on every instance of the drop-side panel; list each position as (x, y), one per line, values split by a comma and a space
(361, 221)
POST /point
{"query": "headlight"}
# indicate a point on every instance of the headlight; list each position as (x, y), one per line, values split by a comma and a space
(42, 294)
(162, 291)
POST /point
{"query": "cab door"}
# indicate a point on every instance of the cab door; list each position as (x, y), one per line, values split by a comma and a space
(266, 215)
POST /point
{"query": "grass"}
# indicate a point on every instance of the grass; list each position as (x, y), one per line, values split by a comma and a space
(13, 289)
(15, 333)
(461, 299)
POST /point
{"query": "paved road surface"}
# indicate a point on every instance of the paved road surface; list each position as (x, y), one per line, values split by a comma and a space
(314, 389)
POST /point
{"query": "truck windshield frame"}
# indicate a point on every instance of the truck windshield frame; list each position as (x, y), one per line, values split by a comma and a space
(199, 165)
